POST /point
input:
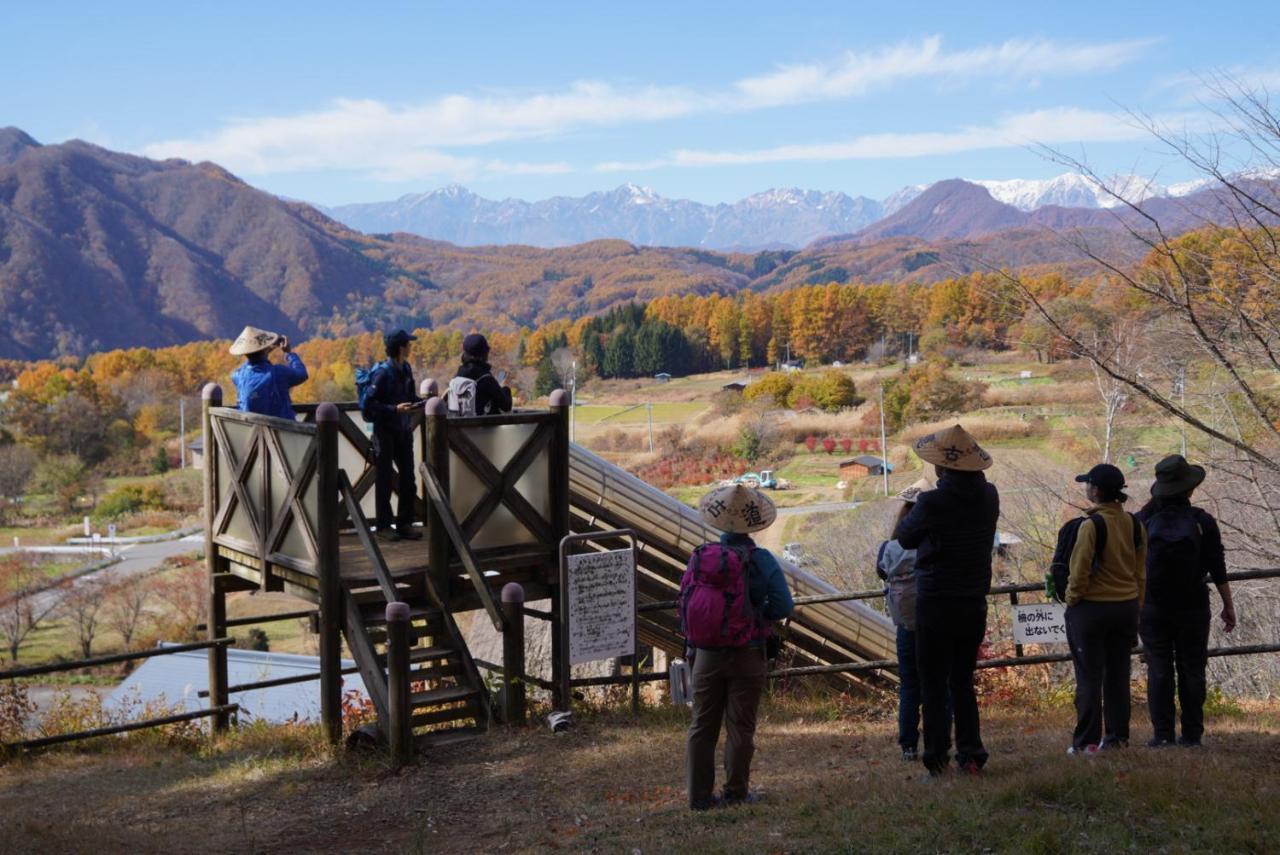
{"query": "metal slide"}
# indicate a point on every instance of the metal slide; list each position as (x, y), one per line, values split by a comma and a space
(605, 496)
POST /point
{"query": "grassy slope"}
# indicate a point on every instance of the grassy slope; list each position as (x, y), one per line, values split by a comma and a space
(832, 779)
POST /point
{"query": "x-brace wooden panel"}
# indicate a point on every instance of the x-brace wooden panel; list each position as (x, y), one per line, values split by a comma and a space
(239, 470)
(501, 485)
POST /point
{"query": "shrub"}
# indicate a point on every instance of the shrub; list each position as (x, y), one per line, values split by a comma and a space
(831, 391)
(846, 445)
(686, 468)
(828, 445)
(130, 499)
(811, 442)
(774, 386)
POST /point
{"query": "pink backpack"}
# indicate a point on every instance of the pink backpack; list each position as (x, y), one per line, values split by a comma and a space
(715, 607)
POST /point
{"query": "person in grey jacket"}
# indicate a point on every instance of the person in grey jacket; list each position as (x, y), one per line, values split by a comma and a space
(896, 565)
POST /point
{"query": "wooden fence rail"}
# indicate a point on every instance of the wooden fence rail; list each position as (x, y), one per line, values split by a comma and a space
(220, 710)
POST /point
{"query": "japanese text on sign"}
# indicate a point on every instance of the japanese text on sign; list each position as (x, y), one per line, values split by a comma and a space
(1039, 623)
(602, 605)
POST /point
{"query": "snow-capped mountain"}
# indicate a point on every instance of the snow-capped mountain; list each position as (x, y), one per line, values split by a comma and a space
(778, 218)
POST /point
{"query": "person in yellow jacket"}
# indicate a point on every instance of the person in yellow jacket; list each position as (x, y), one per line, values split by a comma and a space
(1104, 598)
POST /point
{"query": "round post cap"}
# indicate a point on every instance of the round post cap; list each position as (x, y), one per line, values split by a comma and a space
(513, 592)
(435, 407)
(559, 398)
(428, 388)
(211, 392)
(397, 612)
(327, 412)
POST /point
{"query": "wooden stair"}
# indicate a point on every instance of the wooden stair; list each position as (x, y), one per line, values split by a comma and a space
(449, 702)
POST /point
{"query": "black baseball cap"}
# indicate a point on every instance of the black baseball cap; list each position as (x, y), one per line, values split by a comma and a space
(397, 338)
(1103, 475)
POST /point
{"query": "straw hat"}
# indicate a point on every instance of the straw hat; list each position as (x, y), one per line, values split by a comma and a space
(737, 509)
(913, 492)
(253, 340)
(953, 448)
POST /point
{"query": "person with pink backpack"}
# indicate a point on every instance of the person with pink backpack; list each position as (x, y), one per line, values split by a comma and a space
(730, 594)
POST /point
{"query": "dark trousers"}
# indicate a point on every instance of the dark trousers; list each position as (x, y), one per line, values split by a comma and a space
(394, 467)
(948, 635)
(1176, 640)
(1101, 636)
(727, 685)
(908, 691)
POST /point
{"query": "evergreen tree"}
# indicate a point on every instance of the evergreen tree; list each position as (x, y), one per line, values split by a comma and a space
(547, 380)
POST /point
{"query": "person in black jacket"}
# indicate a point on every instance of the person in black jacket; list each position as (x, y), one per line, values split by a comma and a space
(490, 395)
(952, 528)
(392, 400)
(1184, 545)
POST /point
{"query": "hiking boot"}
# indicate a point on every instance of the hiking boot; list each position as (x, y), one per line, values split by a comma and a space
(390, 535)
(910, 755)
(751, 798)
(1160, 742)
(1090, 750)
(710, 803)
(409, 533)
(1113, 744)
(1186, 742)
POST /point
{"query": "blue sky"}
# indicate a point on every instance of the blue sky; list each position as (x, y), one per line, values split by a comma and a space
(343, 102)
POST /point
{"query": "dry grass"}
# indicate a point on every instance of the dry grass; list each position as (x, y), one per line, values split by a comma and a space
(983, 428)
(1040, 395)
(830, 773)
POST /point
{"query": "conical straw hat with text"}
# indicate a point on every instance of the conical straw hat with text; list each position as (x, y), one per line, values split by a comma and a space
(737, 508)
(253, 340)
(953, 448)
(910, 494)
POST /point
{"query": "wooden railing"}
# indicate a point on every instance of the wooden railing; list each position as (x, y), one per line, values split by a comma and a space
(218, 711)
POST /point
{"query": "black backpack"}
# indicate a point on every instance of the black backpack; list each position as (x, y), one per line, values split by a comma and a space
(1059, 574)
(1174, 569)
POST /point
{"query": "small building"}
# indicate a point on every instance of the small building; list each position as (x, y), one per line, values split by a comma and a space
(1005, 541)
(177, 679)
(793, 365)
(862, 466)
(735, 386)
(196, 449)
(662, 377)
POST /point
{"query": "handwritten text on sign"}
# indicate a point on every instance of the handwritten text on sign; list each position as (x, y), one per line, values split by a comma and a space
(602, 605)
(1039, 623)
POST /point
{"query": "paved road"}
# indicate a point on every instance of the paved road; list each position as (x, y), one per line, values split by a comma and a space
(142, 558)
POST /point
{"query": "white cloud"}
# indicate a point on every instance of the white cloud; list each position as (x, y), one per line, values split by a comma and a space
(1051, 127)
(857, 73)
(406, 142)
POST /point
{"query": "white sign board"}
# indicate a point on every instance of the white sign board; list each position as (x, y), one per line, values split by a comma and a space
(1039, 623)
(602, 605)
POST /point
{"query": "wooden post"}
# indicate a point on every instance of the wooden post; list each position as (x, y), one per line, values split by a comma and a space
(513, 701)
(399, 728)
(558, 487)
(437, 454)
(1013, 598)
(216, 625)
(331, 606)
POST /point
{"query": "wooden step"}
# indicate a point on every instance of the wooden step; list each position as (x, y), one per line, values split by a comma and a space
(373, 594)
(446, 716)
(435, 672)
(445, 695)
(449, 736)
(375, 614)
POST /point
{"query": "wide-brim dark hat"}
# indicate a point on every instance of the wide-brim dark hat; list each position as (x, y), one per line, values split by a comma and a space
(1175, 476)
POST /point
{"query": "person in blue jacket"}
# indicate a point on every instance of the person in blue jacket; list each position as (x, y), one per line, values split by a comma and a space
(263, 386)
(393, 400)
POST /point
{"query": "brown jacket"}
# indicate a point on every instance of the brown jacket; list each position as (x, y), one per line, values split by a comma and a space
(1122, 573)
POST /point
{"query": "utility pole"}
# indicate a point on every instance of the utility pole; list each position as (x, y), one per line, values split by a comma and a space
(1182, 399)
(884, 451)
(649, 407)
(573, 393)
(182, 432)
